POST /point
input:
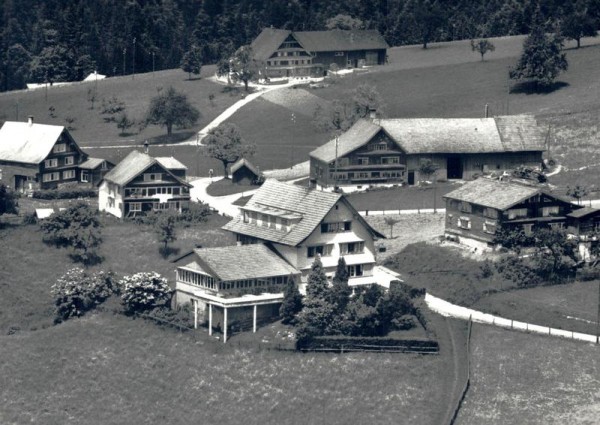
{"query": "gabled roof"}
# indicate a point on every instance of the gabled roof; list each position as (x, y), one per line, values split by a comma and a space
(132, 166)
(496, 194)
(244, 162)
(170, 163)
(356, 136)
(267, 42)
(92, 163)
(27, 143)
(518, 133)
(241, 262)
(340, 40)
(583, 212)
(309, 204)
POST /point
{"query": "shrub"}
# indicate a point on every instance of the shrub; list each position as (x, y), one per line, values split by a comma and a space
(76, 292)
(180, 316)
(197, 212)
(65, 193)
(515, 269)
(144, 291)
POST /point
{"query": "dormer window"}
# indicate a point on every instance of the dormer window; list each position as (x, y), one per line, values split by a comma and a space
(59, 147)
(152, 177)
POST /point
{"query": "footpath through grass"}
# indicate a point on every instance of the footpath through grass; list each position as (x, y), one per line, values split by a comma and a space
(524, 379)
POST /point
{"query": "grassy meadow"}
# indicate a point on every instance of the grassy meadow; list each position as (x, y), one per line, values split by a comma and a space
(525, 379)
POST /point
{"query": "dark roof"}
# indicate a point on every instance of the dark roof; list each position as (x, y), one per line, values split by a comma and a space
(27, 143)
(308, 207)
(132, 166)
(244, 162)
(518, 133)
(269, 40)
(583, 212)
(500, 195)
(242, 262)
(92, 163)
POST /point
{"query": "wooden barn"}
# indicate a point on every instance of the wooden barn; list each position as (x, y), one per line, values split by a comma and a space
(243, 172)
(287, 53)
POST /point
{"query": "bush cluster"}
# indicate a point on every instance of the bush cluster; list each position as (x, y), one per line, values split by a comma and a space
(143, 292)
(77, 292)
(65, 193)
(197, 212)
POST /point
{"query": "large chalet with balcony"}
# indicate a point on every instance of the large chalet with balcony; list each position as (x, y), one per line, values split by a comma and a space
(40, 156)
(285, 53)
(390, 151)
(141, 183)
(280, 232)
(479, 209)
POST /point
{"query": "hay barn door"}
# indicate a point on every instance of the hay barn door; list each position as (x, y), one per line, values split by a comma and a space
(455, 167)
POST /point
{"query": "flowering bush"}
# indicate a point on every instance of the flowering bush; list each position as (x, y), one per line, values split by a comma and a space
(144, 291)
(77, 292)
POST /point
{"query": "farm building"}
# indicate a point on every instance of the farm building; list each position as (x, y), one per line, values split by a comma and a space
(390, 151)
(479, 209)
(285, 53)
(290, 226)
(245, 173)
(584, 226)
(141, 183)
(40, 156)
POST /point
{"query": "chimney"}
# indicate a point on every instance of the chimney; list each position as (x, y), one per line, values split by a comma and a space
(487, 108)
(146, 147)
(30, 120)
(373, 113)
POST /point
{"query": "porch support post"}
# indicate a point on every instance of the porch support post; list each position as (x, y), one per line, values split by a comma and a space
(225, 324)
(195, 314)
(209, 319)
(254, 319)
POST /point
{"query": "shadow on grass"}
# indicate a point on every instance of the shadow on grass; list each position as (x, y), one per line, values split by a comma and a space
(173, 138)
(531, 87)
(127, 134)
(166, 252)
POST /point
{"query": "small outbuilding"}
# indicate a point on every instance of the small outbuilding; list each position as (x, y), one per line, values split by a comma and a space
(243, 172)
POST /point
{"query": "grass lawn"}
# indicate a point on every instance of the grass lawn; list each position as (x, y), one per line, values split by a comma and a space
(110, 369)
(225, 187)
(522, 379)
(571, 306)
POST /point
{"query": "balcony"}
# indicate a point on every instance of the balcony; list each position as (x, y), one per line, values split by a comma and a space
(369, 167)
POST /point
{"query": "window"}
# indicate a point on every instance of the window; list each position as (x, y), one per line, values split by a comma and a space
(465, 207)
(322, 250)
(490, 213)
(352, 248)
(51, 163)
(550, 211)
(50, 177)
(85, 177)
(135, 207)
(265, 220)
(342, 226)
(362, 161)
(356, 270)
(339, 53)
(556, 226)
(390, 160)
(464, 223)
(338, 176)
(489, 227)
(151, 177)
(381, 146)
(528, 229)
(69, 174)
(69, 160)
(59, 147)
(516, 213)
(449, 218)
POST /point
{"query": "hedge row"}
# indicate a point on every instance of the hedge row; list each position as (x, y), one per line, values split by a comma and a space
(371, 343)
(72, 193)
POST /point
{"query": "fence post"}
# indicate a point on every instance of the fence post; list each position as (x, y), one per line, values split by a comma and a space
(512, 323)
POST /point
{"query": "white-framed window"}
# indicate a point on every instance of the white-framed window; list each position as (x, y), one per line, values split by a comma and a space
(322, 250)
(465, 207)
(337, 227)
(352, 248)
(390, 160)
(51, 163)
(339, 53)
(362, 175)
(135, 206)
(556, 226)
(362, 160)
(111, 202)
(355, 270)
(549, 211)
(528, 229)
(69, 174)
(490, 213)
(50, 177)
(464, 223)
(517, 213)
(59, 147)
(152, 177)
(85, 176)
(69, 160)
(381, 146)
(490, 227)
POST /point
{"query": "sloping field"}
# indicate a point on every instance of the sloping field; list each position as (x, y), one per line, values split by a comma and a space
(522, 379)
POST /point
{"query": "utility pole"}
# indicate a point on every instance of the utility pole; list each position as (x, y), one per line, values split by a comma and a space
(293, 130)
(507, 90)
(598, 317)
(133, 60)
(335, 164)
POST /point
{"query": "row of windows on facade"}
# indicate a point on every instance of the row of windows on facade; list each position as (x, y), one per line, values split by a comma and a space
(512, 214)
(491, 226)
(158, 206)
(365, 160)
(53, 162)
(209, 282)
(326, 250)
(67, 174)
(151, 191)
(340, 175)
(266, 220)
(288, 62)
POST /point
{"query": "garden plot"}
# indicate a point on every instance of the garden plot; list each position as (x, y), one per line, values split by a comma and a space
(296, 100)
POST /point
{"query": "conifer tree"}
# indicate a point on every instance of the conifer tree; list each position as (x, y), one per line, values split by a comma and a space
(292, 302)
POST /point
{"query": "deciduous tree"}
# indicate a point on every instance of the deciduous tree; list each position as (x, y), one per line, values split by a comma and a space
(344, 22)
(8, 200)
(226, 144)
(165, 228)
(482, 47)
(171, 108)
(578, 23)
(243, 67)
(192, 61)
(144, 291)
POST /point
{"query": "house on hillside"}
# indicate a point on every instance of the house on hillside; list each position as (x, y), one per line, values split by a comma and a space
(479, 209)
(583, 225)
(40, 156)
(141, 183)
(287, 53)
(280, 231)
(390, 151)
(243, 172)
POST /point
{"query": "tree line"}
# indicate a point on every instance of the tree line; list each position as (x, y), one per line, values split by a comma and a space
(64, 40)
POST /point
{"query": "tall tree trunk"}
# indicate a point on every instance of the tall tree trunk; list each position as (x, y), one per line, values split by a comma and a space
(225, 169)
(169, 128)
